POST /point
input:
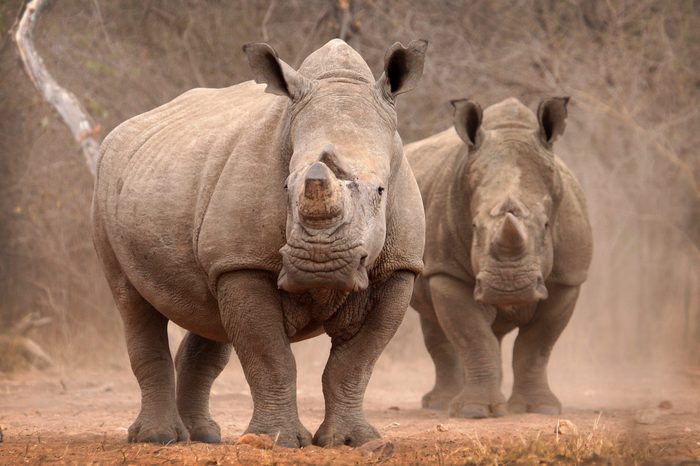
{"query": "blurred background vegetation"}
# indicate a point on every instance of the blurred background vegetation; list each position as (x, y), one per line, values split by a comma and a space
(633, 138)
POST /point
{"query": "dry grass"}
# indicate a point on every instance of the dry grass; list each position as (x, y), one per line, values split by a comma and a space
(594, 448)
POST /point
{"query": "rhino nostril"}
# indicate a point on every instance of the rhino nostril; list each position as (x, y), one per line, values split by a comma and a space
(363, 260)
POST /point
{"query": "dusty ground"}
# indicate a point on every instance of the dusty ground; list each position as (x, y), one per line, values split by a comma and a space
(82, 417)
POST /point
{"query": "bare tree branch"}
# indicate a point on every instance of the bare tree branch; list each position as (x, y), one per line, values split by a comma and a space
(65, 103)
(266, 19)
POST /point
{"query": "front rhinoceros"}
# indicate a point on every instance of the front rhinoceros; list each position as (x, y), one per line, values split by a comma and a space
(508, 244)
(254, 220)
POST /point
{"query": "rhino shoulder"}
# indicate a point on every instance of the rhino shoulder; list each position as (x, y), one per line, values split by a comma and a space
(572, 234)
(436, 162)
(427, 156)
(405, 236)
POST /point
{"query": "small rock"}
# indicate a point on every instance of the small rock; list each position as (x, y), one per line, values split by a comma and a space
(646, 416)
(392, 425)
(442, 428)
(260, 441)
(565, 427)
(394, 408)
(666, 404)
(0, 434)
(378, 448)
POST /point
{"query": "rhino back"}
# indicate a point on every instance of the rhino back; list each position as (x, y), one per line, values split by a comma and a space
(179, 193)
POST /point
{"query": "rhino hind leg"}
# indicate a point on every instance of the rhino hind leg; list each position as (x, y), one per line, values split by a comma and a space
(199, 362)
(251, 312)
(448, 369)
(146, 332)
(533, 346)
(147, 344)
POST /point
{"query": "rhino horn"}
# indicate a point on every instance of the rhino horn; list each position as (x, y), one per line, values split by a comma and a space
(511, 237)
(322, 197)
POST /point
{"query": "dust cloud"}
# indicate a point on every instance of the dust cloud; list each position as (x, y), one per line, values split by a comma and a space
(630, 68)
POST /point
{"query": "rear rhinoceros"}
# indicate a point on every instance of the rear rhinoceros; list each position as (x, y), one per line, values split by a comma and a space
(508, 244)
(257, 219)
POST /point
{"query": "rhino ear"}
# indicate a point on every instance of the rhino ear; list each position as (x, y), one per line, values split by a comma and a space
(467, 120)
(403, 67)
(552, 117)
(281, 79)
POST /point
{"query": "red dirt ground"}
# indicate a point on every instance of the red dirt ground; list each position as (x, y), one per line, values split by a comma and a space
(82, 418)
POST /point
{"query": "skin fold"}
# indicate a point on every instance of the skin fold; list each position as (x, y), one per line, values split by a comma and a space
(508, 245)
(255, 216)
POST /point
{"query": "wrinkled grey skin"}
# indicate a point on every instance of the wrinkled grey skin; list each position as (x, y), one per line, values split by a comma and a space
(255, 219)
(508, 244)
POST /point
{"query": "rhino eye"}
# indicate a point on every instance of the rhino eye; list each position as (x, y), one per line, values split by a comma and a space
(285, 186)
(380, 190)
(546, 225)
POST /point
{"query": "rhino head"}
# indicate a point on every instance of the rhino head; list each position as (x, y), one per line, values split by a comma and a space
(514, 190)
(344, 149)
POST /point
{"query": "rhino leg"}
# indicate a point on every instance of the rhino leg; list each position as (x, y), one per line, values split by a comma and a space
(467, 326)
(350, 364)
(146, 332)
(251, 312)
(448, 369)
(199, 362)
(147, 343)
(531, 392)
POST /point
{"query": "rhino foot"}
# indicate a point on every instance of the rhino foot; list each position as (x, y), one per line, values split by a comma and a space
(468, 407)
(152, 429)
(541, 403)
(353, 433)
(204, 430)
(437, 400)
(293, 435)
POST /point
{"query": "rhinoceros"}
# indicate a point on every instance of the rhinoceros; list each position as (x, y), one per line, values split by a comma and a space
(257, 216)
(508, 244)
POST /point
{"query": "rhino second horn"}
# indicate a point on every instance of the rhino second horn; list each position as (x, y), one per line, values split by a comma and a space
(322, 197)
(511, 237)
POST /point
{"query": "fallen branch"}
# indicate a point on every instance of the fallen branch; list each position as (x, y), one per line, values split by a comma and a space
(65, 103)
(19, 350)
(28, 322)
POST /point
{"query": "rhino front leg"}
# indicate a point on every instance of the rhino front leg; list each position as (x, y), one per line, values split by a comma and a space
(533, 346)
(199, 362)
(467, 325)
(351, 361)
(448, 369)
(251, 312)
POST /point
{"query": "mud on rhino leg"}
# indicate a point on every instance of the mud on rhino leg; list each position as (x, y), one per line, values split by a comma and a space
(147, 343)
(533, 346)
(199, 362)
(448, 368)
(350, 364)
(251, 312)
(467, 325)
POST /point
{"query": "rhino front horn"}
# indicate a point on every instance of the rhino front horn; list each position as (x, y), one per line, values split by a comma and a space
(321, 199)
(511, 237)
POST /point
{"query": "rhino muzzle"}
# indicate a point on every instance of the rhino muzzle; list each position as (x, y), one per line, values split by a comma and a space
(504, 288)
(344, 272)
(321, 200)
